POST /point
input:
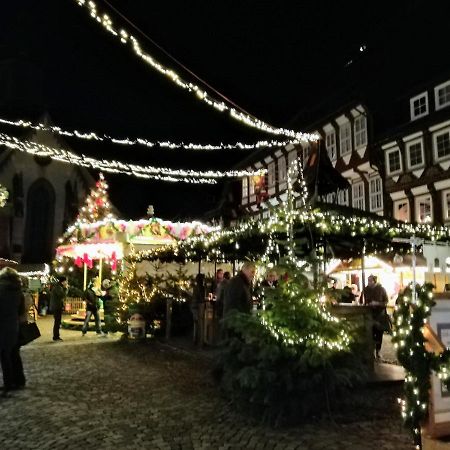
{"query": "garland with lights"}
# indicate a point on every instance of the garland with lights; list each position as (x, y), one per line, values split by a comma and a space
(150, 172)
(126, 38)
(410, 315)
(146, 143)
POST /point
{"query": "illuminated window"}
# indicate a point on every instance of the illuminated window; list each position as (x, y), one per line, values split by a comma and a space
(419, 106)
(358, 196)
(360, 126)
(446, 205)
(245, 188)
(345, 137)
(292, 156)
(424, 213)
(401, 210)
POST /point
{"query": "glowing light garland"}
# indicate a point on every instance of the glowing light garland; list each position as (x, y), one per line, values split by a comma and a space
(150, 172)
(92, 136)
(128, 39)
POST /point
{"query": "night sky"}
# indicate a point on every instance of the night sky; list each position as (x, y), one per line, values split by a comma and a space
(273, 59)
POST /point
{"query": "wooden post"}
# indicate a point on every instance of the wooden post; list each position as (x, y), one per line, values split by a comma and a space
(100, 267)
(84, 276)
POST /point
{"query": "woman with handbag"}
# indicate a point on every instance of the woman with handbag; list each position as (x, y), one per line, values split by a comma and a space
(11, 307)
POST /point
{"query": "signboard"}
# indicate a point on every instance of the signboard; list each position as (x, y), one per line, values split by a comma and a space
(438, 336)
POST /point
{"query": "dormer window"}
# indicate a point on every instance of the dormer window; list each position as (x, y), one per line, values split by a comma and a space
(419, 106)
(442, 95)
(282, 169)
(345, 136)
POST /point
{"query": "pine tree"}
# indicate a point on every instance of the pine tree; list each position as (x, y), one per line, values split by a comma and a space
(97, 206)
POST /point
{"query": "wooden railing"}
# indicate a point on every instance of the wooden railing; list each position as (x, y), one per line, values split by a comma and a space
(74, 304)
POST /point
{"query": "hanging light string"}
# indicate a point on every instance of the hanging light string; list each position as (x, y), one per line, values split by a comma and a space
(89, 136)
(245, 118)
(157, 173)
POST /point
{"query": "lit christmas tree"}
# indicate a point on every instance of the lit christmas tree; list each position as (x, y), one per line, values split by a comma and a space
(97, 205)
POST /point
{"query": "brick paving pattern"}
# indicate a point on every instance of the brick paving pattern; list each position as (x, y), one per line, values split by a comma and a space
(100, 393)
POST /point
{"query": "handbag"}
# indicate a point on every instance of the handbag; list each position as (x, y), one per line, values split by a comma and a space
(28, 332)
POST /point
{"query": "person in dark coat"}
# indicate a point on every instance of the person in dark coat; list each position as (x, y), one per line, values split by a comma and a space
(11, 307)
(376, 297)
(110, 304)
(237, 293)
(91, 299)
(58, 296)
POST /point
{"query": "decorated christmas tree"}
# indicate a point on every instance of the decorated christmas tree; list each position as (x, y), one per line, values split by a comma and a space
(97, 206)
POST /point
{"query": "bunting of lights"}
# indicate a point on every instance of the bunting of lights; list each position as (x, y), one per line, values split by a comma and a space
(92, 136)
(150, 172)
(128, 39)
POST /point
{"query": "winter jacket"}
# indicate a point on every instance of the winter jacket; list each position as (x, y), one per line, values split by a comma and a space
(237, 295)
(57, 296)
(11, 307)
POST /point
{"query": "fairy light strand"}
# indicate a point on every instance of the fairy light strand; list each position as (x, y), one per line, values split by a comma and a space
(151, 172)
(127, 39)
(138, 141)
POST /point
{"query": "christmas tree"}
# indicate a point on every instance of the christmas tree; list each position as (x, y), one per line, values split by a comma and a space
(97, 206)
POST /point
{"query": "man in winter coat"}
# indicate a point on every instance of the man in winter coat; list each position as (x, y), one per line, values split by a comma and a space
(91, 299)
(237, 294)
(58, 296)
(11, 307)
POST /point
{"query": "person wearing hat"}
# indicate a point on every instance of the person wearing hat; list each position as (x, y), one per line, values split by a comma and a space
(58, 296)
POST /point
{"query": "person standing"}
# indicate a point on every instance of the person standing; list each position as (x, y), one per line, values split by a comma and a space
(91, 309)
(237, 293)
(376, 297)
(217, 281)
(11, 307)
(110, 303)
(220, 294)
(58, 296)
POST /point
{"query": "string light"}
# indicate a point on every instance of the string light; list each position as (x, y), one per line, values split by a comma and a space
(92, 136)
(128, 39)
(150, 172)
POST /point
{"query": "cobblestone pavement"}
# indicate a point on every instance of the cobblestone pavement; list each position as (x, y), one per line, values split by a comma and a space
(94, 393)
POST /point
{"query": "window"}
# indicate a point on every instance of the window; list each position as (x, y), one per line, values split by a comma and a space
(360, 131)
(343, 197)
(442, 95)
(282, 169)
(330, 142)
(292, 156)
(414, 150)
(446, 205)
(393, 161)
(271, 177)
(423, 209)
(358, 195)
(442, 145)
(401, 210)
(244, 187)
(345, 136)
(306, 153)
(376, 194)
(419, 106)
(251, 186)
